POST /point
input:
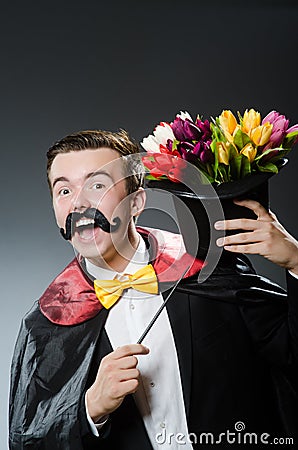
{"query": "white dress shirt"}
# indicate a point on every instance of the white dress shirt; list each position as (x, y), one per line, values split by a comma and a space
(159, 397)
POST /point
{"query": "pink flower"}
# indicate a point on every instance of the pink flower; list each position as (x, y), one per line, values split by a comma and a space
(293, 129)
(279, 130)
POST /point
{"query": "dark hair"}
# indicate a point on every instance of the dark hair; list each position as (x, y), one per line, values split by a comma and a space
(96, 139)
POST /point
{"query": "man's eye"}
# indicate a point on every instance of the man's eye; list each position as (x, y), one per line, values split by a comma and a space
(97, 186)
(64, 191)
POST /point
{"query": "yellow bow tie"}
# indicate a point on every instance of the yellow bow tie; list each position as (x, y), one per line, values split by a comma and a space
(109, 291)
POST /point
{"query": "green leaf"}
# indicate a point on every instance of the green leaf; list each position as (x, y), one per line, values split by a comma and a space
(269, 167)
(292, 134)
(174, 145)
(266, 152)
(215, 152)
(210, 171)
(241, 139)
(151, 177)
(235, 165)
(245, 166)
(233, 152)
(222, 174)
(289, 140)
(281, 152)
(217, 132)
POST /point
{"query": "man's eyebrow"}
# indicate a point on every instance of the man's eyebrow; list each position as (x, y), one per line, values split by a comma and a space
(87, 177)
(59, 179)
(98, 172)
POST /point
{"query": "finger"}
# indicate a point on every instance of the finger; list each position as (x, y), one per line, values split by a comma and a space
(241, 238)
(129, 374)
(126, 387)
(255, 206)
(127, 362)
(238, 224)
(252, 249)
(130, 350)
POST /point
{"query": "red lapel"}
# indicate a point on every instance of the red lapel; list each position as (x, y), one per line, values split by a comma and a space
(70, 299)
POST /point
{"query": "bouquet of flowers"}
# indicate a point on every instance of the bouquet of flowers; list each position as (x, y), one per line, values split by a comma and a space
(224, 149)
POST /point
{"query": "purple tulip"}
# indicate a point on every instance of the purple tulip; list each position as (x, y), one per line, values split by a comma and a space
(271, 117)
(205, 128)
(185, 147)
(206, 155)
(193, 131)
(197, 148)
(192, 153)
(185, 130)
(293, 129)
(186, 151)
(279, 130)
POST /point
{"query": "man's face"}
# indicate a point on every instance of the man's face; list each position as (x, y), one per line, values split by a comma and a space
(93, 179)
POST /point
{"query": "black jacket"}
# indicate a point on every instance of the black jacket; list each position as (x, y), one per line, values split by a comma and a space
(237, 343)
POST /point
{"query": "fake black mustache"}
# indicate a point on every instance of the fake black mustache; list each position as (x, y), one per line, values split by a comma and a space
(91, 213)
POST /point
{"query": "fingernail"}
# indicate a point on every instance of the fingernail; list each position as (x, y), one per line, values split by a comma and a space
(219, 225)
(219, 242)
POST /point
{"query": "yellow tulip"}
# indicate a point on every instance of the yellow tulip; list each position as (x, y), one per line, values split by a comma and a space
(249, 151)
(223, 153)
(261, 134)
(228, 123)
(251, 120)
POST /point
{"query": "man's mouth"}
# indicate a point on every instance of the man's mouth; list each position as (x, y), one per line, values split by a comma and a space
(85, 228)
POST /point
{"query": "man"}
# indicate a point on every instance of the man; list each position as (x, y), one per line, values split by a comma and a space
(221, 354)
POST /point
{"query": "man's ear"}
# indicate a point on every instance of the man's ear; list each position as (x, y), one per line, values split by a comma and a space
(138, 201)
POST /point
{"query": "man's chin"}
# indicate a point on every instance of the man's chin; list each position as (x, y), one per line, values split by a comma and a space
(87, 245)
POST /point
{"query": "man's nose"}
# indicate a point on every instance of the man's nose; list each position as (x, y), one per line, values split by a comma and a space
(80, 201)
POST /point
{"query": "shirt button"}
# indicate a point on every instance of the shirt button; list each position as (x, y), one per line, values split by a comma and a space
(152, 384)
(162, 425)
(132, 306)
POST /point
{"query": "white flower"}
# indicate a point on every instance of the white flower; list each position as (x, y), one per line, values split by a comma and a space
(161, 134)
(150, 144)
(184, 115)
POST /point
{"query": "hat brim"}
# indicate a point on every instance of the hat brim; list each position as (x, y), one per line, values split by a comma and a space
(228, 190)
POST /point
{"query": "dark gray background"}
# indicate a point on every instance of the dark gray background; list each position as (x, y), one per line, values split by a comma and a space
(67, 66)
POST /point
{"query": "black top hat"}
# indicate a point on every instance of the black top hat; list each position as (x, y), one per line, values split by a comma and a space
(208, 205)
